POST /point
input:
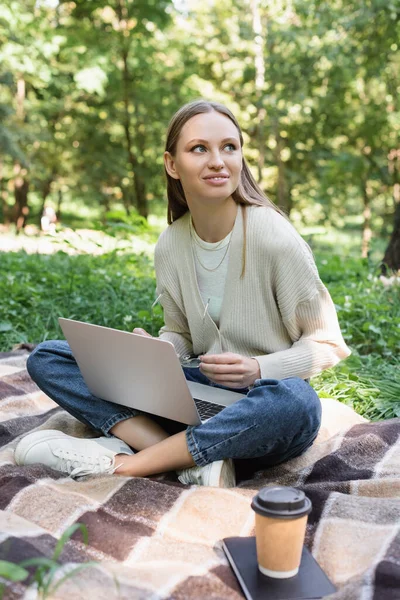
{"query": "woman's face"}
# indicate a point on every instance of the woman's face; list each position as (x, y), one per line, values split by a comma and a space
(208, 159)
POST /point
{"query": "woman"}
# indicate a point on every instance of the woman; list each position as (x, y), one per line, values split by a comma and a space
(240, 290)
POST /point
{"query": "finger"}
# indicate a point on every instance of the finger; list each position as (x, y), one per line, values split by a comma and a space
(224, 358)
(140, 331)
(235, 369)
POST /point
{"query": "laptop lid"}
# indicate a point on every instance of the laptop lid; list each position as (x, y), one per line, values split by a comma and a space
(130, 369)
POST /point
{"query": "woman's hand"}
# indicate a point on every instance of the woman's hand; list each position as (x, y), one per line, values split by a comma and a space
(141, 331)
(229, 369)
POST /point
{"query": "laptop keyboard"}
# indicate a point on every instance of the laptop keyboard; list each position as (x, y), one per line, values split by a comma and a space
(207, 410)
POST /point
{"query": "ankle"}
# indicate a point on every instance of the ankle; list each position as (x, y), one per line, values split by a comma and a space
(121, 461)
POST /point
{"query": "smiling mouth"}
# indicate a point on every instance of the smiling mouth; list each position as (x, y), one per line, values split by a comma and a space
(216, 178)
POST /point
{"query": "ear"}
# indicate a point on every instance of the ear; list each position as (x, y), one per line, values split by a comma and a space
(170, 165)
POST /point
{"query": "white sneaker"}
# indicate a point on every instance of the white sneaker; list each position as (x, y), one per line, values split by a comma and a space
(220, 473)
(75, 456)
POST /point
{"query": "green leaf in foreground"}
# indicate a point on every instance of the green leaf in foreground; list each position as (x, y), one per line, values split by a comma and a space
(48, 568)
(13, 572)
(68, 533)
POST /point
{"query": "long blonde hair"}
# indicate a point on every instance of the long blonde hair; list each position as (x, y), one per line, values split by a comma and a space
(248, 191)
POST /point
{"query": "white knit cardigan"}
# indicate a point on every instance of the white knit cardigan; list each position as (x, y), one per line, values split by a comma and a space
(279, 312)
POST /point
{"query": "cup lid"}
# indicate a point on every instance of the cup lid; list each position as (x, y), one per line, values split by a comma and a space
(281, 502)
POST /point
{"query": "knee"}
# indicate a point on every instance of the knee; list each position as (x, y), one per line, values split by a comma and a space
(36, 363)
(304, 404)
(292, 405)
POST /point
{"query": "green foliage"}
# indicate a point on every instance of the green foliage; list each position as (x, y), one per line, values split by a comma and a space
(369, 315)
(49, 574)
(118, 222)
(115, 290)
(87, 90)
(368, 311)
(12, 572)
(368, 384)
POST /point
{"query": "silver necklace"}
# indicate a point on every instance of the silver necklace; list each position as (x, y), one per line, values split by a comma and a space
(221, 261)
(193, 236)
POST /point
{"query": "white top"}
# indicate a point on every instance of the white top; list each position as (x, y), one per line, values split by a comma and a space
(211, 263)
(279, 312)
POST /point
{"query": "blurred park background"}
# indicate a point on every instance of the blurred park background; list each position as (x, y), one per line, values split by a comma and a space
(87, 88)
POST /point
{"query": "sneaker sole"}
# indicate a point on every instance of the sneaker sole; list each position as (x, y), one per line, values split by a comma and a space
(31, 440)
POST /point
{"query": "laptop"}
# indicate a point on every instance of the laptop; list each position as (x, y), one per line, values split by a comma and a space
(141, 372)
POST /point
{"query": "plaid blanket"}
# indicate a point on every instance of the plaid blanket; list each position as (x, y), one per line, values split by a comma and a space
(155, 538)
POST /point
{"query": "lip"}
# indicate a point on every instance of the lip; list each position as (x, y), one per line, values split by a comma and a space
(217, 176)
(216, 181)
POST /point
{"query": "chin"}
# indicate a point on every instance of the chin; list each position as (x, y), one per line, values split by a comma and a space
(222, 193)
(216, 198)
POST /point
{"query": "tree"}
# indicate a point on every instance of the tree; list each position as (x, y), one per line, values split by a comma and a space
(313, 84)
(121, 40)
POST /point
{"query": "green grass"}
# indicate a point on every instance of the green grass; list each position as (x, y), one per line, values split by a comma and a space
(369, 315)
(116, 288)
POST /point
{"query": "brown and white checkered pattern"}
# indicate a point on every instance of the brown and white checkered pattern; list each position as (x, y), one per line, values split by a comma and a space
(159, 539)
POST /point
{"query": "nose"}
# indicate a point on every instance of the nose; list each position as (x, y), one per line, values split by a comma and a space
(215, 161)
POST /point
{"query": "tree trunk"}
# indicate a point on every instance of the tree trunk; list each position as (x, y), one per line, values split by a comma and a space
(366, 228)
(3, 198)
(21, 210)
(141, 201)
(5, 209)
(391, 260)
(106, 207)
(259, 86)
(21, 183)
(46, 189)
(282, 197)
(126, 201)
(59, 202)
(127, 128)
(138, 184)
(139, 181)
(283, 189)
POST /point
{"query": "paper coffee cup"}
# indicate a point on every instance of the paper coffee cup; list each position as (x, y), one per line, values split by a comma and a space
(281, 519)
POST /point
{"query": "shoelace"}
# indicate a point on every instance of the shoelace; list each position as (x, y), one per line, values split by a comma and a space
(192, 475)
(78, 465)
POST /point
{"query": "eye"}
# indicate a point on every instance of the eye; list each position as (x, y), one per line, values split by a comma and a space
(198, 148)
(230, 147)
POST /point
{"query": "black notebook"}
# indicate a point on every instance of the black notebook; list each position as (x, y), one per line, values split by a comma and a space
(310, 583)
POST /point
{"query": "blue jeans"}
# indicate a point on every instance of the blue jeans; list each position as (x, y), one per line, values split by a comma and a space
(275, 421)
